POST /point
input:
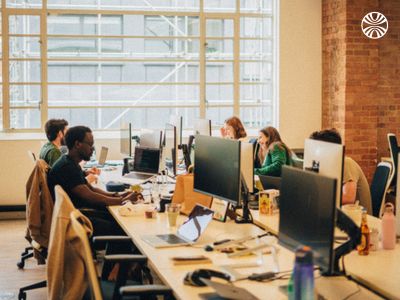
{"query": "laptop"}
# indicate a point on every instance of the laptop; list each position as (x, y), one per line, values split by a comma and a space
(146, 163)
(102, 159)
(188, 233)
(270, 182)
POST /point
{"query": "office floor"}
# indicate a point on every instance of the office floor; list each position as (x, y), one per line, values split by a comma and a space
(12, 243)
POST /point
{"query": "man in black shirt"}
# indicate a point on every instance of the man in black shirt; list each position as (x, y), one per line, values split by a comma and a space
(69, 175)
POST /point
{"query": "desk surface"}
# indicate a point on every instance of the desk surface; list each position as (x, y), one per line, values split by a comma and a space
(159, 259)
(379, 270)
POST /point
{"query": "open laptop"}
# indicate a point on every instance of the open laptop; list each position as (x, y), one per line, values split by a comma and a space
(188, 233)
(270, 182)
(146, 163)
(102, 159)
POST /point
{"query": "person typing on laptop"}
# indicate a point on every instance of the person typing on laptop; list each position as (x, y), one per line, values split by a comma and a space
(69, 175)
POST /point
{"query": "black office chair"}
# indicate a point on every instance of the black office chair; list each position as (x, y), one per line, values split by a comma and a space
(379, 186)
(394, 152)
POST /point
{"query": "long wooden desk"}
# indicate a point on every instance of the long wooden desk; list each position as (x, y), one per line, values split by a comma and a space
(159, 260)
(380, 270)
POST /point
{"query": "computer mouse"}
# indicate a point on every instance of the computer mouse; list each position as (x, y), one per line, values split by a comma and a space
(208, 248)
(171, 191)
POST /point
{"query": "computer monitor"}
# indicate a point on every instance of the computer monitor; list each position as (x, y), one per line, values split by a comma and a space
(398, 200)
(169, 152)
(146, 160)
(177, 122)
(217, 168)
(308, 213)
(247, 164)
(202, 126)
(325, 159)
(126, 139)
(150, 138)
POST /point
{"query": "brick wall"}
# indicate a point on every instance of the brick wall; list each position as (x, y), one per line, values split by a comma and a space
(367, 89)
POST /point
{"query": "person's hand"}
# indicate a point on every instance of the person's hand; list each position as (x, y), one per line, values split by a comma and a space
(133, 197)
(223, 131)
(123, 195)
(93, 171)
(91, 178)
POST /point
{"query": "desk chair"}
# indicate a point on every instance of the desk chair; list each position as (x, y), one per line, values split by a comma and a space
(141, 291)
(379, 187)
(394, 152)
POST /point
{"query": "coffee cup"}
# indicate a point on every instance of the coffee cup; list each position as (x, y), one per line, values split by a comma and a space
(172, 210)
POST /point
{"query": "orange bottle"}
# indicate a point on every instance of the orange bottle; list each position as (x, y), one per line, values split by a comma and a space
(363, 248)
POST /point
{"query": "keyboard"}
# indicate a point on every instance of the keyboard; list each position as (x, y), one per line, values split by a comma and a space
(171, 238)
(138, 176)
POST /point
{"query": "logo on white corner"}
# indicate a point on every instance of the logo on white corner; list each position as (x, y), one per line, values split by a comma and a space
(374, 25)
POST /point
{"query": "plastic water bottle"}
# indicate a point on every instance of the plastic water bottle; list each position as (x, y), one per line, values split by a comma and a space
(388, 227)
(301, 285)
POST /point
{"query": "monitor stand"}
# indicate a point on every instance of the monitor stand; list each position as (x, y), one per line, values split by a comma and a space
(246, 214)
(353, 231)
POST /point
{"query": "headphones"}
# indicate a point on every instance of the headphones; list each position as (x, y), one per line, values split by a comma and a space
(194, 278)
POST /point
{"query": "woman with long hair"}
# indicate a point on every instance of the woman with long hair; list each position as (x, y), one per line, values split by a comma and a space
(233, 129)
(276, 152)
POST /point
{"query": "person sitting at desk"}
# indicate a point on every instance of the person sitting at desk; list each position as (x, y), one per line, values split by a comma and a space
(55, 131)
(233, 129)
(67, 173)
(355, 184)
(276, 152)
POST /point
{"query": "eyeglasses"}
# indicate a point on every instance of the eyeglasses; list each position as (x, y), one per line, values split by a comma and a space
(87, 143)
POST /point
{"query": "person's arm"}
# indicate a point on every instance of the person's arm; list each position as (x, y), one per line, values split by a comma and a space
(83, 191)
(274, 168)
(349, 191)
(133, 196)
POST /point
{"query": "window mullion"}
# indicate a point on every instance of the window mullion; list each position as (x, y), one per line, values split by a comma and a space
(5, 66)
(202, 58)
(43, 62)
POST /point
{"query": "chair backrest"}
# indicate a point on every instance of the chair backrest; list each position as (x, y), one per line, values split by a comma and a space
(90, 267)
(394, 150)
(379, 186)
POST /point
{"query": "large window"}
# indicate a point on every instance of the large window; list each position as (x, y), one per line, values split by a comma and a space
(101, 63)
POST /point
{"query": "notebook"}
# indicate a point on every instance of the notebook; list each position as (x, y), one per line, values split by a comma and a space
(146, 163)
(188, 233)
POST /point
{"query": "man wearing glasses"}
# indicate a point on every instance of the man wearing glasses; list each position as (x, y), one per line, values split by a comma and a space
(67, 173)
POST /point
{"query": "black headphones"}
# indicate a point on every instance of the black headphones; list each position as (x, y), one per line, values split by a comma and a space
(194, 278)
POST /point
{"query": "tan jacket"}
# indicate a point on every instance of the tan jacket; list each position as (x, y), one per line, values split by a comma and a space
(39, 206)
(65, 261)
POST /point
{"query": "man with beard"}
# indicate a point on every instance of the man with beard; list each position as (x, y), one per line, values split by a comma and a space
(67, 173)
(55, 131)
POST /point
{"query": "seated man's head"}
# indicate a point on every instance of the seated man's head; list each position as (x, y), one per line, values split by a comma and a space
(80, 143)
(55, 130)
(327, 135)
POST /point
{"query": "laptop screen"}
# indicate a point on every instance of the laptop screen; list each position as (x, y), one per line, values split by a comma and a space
(146, 160)
(196, 223)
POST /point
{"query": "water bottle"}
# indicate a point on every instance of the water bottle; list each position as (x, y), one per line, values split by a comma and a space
(301, 285)
(388, 227)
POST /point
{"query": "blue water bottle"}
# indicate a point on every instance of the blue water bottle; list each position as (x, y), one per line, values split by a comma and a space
(301, 285)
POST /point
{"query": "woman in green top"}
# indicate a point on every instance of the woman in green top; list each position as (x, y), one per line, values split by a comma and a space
(276, 152)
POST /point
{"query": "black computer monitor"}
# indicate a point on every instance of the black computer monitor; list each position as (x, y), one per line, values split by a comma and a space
(126, 139)
(146, 160)
(169, 152)
(308, 214)
(217, 168)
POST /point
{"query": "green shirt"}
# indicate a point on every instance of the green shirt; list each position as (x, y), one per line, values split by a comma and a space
(49, 153)
(273, 162)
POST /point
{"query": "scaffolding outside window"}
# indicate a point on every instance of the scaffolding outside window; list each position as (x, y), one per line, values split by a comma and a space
(115, 61)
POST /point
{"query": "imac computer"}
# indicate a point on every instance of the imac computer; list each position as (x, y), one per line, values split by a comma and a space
(150, 138)
(202, 126)
(126, 139)
(169, 152)
(247, 164)
(325, 159)
(217, 172)
(308, 217)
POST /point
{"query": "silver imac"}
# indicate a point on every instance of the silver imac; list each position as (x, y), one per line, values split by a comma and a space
(326, 159)
(202, 126)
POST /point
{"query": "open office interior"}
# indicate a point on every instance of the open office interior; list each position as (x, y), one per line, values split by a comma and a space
(299, 66)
